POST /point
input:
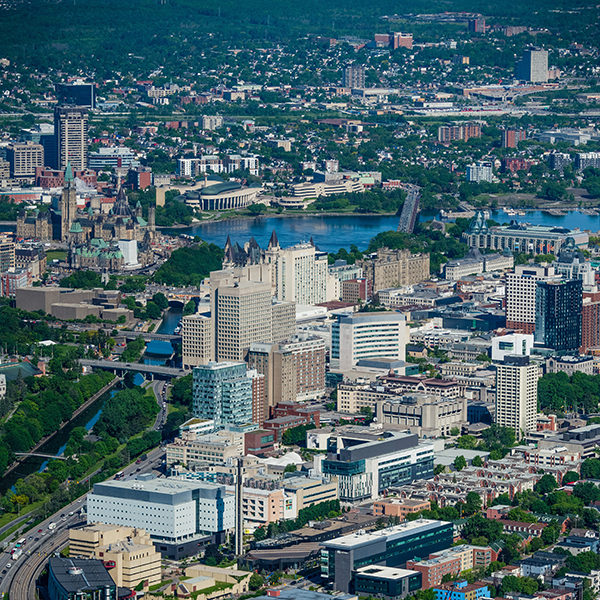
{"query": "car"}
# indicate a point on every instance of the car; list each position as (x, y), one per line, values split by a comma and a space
(79, 500)
(39, 530)
(4, 572)
(30, 537)
(37, 539)
(8, 565)
(62, 515)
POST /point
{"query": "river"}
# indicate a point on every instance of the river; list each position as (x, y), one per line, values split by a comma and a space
(330, 233)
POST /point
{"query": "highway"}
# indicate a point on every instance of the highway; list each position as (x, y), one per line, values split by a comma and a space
(115, 365)
(21, 576)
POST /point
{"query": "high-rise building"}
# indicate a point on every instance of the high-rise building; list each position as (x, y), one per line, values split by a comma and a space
(279, 369)
(583, 160)
(447, 134)
(558, 314)
(533, 66)
(559, 160)
(308, 355)
(301, 274)
(222, 391)
(259, 397)
(480, 171)
(353, 76)
(511, 137)
(75, 94)
(7, 253)
(212, 122)
(71, 133)
(359, 336)
(520, 295)
(24, 158)
(197, 343)
(242, 314)
(477, 25)
(590, 321)
(516, 394)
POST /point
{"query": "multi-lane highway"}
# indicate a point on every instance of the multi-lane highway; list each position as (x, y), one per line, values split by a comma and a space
(41, 543)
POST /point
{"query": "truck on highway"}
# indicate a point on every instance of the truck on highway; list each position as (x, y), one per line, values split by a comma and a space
(16, 553)
(51, 526)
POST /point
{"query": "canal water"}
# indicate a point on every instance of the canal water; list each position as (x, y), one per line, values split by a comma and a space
(330, 233)
(157, 352)
(58, 443)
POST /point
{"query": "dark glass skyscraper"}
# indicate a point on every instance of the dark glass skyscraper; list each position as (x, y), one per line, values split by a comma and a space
(558, 306)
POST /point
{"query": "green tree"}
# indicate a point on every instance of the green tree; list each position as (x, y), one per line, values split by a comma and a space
(256, 582)
(477, 461)
(459, 463)
(546, 484)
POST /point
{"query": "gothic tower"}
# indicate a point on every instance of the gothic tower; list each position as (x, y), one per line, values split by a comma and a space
(68, 203)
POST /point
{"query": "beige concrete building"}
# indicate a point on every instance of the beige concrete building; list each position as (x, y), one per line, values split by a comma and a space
(128, 553)
(23, 158)
(395, 268)
(71, 131)
(243, 312)
(309, 491)
(516, 394)
(192, 450)
(197, 343)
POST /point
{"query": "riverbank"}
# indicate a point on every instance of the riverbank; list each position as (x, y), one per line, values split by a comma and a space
(76, 413)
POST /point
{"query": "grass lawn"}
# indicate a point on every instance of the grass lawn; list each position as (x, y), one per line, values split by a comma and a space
(56, 254)
(157, 586)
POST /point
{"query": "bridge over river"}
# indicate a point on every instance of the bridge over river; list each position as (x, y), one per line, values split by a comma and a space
(148, 371)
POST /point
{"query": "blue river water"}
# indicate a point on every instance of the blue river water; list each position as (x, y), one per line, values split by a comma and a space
(330, 233)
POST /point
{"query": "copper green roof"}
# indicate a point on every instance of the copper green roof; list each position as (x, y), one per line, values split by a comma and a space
(220, 188)
(76, 228)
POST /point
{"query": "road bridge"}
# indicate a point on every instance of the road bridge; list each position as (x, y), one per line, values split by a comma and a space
(410, 210)
(151, 337)
(153, 371)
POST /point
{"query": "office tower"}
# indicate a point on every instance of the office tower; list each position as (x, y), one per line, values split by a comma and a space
(516, 394)
(558, 314)
(242, 315)
(477, 25)
(520, 295)
(480, 171)
(75, 94)
(4, 172)
(533, 66)
(511, 137)
(71, 133)
(197, 343)
(223, 392)
(359, 336)
(279, 369)
(353, 76)
(24, 158)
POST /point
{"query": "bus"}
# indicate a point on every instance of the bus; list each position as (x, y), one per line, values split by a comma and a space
(119, 475)
(20, 543)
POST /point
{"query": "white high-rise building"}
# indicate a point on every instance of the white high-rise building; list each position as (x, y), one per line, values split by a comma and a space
(301, 273)
(520, 295)
(362, 336)
(516, 394)
(480, 171)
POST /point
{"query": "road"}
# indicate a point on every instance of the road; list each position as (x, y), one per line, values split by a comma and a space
(20, 578)
(160, 392)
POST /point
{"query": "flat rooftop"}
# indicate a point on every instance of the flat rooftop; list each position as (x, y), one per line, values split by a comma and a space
(387, 572)
(362, 538)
